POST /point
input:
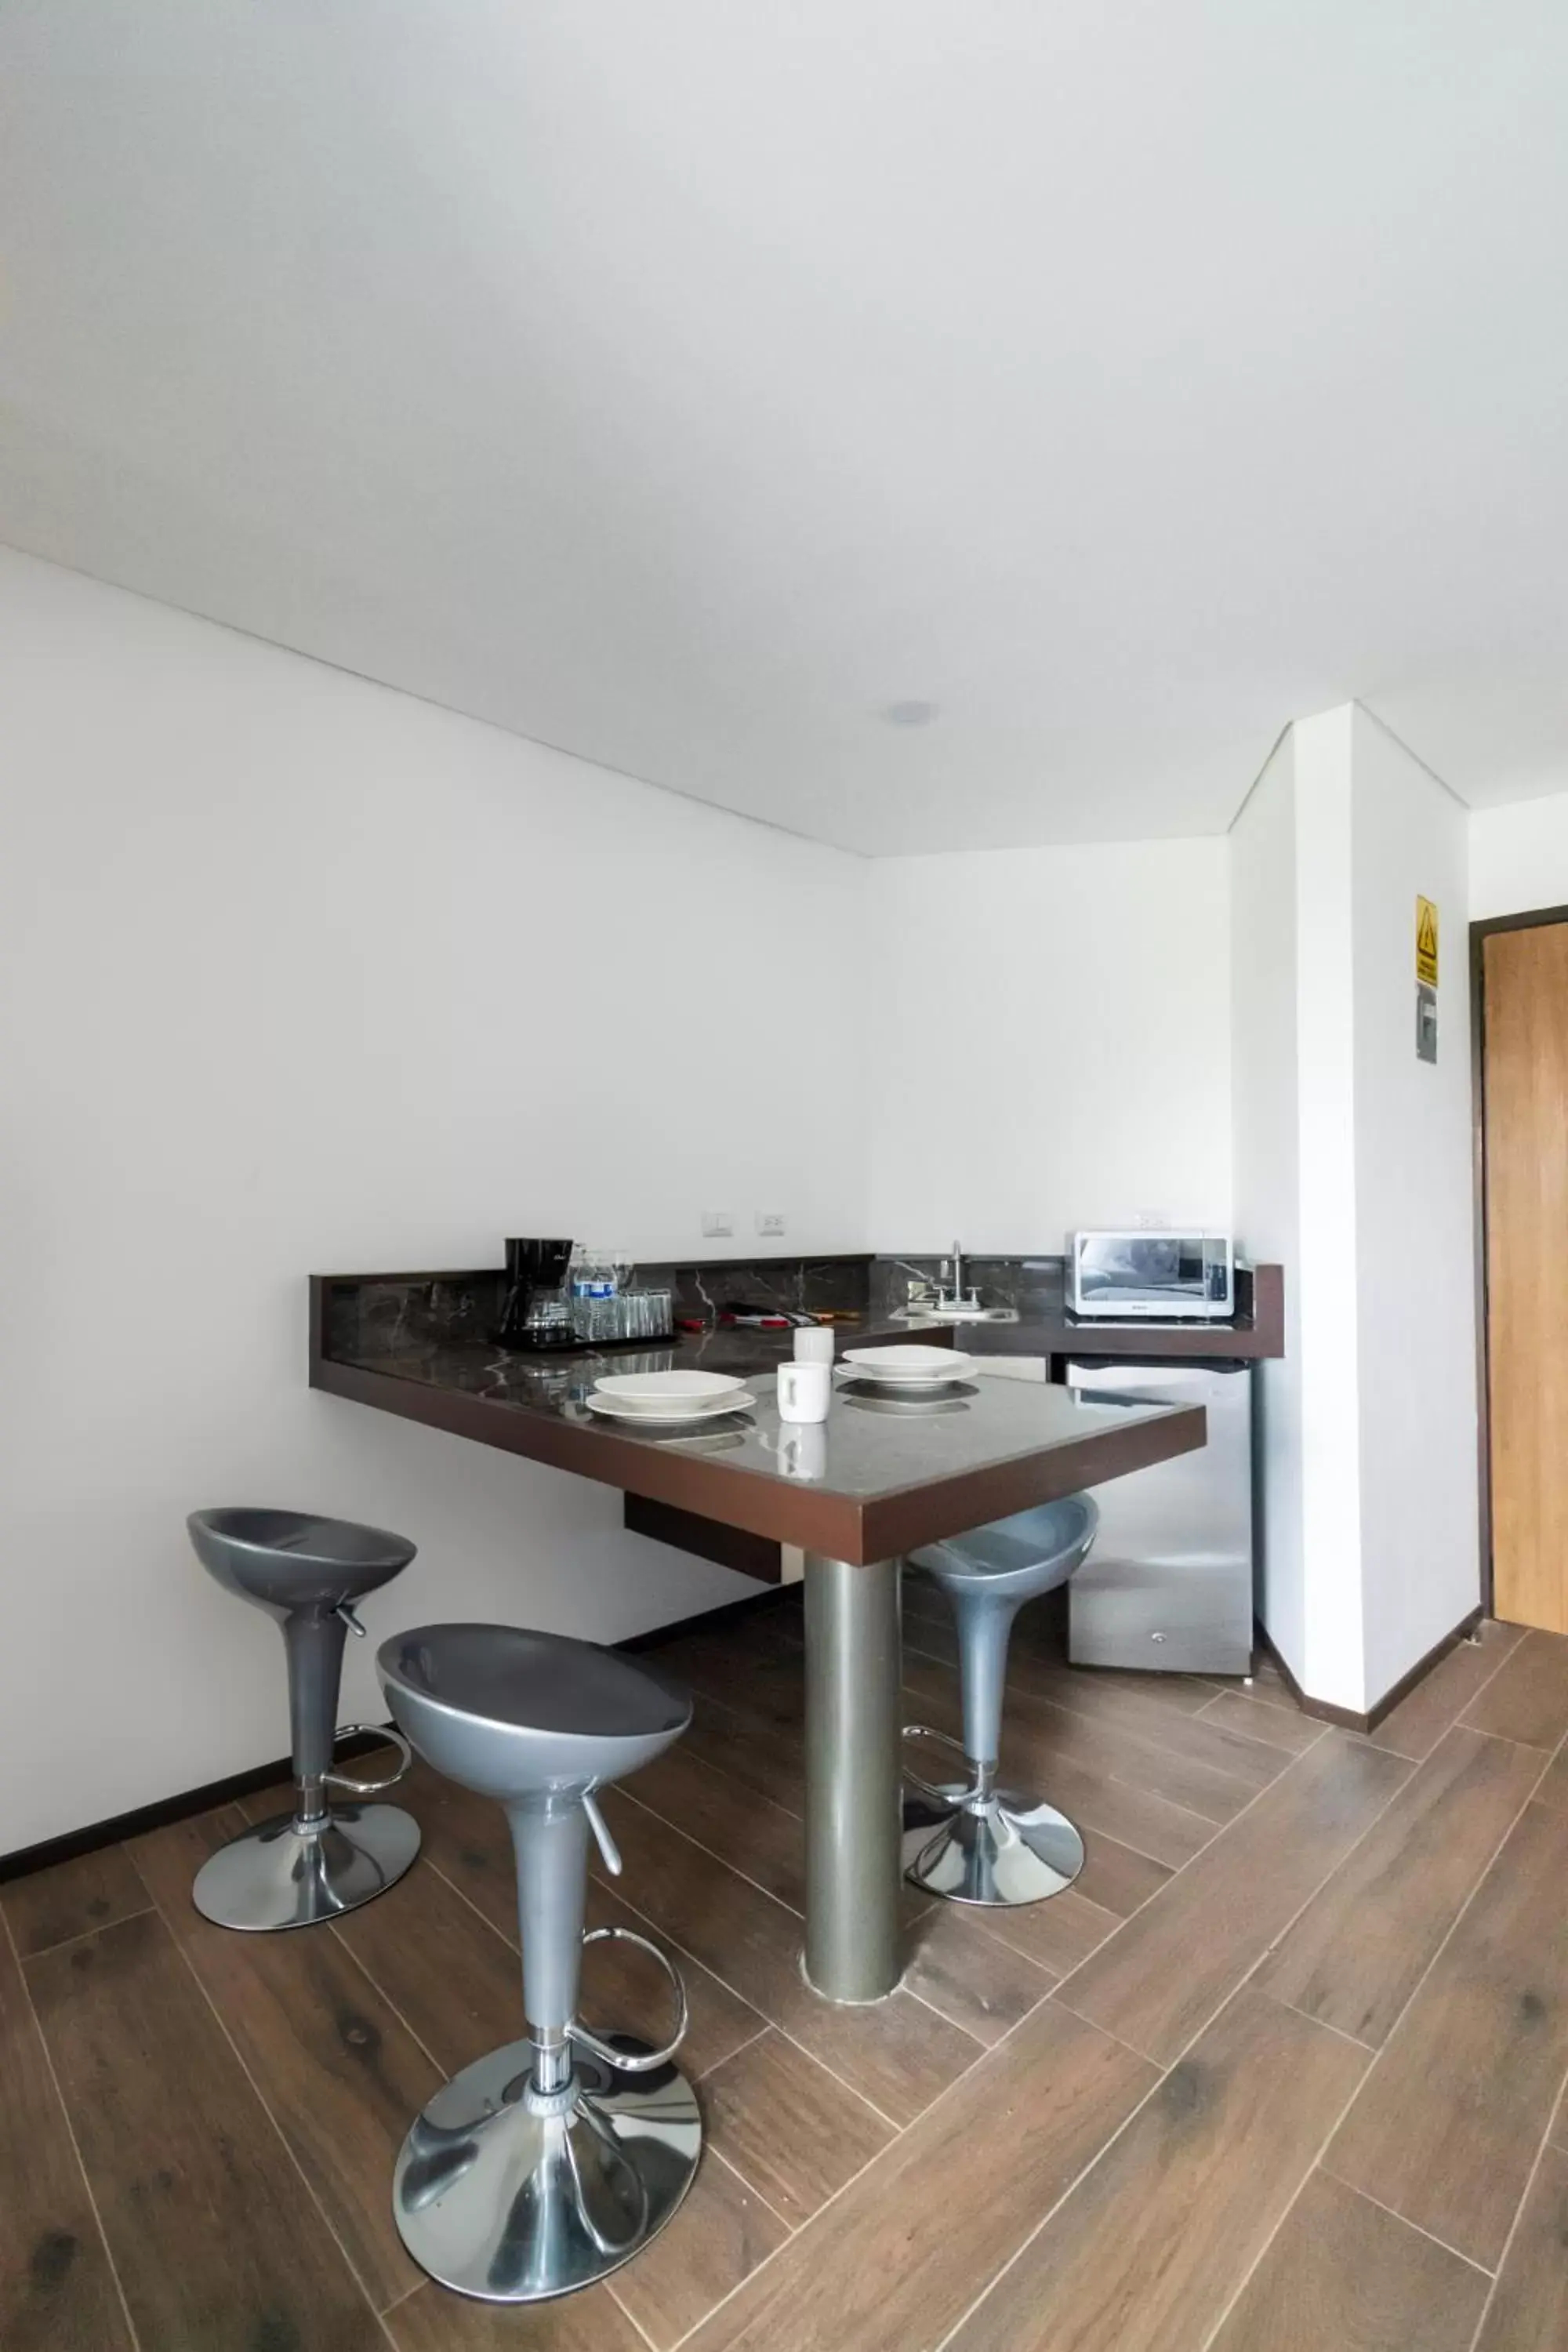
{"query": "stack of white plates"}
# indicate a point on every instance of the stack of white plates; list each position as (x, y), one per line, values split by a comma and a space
(909, 1367)
(669, 1396)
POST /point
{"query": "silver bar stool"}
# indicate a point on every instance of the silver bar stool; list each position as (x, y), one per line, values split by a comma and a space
(972, 1841)
(318, 1861)
(548, 2163)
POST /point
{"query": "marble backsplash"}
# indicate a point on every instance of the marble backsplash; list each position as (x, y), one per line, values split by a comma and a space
(1032, 1286)
(382, 1314)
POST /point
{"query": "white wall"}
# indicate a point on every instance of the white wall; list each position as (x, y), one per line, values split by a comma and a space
(302, 974)
(1048, 1043)
(1354, 1167)
(1518, 857)
(1327, 1308)
(1414, 1217)
(1266, 1135)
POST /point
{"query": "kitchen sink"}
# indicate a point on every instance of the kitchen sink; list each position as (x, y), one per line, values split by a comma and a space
(954, 1315)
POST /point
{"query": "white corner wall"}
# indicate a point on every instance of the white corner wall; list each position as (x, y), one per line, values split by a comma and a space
(302, 974)
(1518, 857)
(1266, 1142)
(1415, 1217)
(1353, 1165)
(1048, 1043)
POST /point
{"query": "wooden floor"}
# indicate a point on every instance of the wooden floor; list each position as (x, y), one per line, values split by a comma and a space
(1283, 2072)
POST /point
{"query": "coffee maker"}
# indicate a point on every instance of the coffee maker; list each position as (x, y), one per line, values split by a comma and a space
(537, 1315)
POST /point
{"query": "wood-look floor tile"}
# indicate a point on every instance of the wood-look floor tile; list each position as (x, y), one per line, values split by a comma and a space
(1414, 1726)
(453, 1977)
(763, 1757)
(1451, 2116)
(1529, 2309)
(1046, 1653)
(56, 2289)
(1058, 1933)
(1141, 1758)
(1207, 1740)
(754, 1835)
(1554, 1788)
(1276, 1727)
(1090, 1795)
(466, 1840)
(770, 1692)
(216, 2242)
(897, 2053)
(1527, 1698)
(432, 2320)
(1358, 1951)
(980, 1982)
(893, 2263)
(52, 1905)
(1341, 2276)
(788, 2127)
(335, 2066)
(1148, 2249)
(722, 2232)
(1114, 1876)
(1167, 1970)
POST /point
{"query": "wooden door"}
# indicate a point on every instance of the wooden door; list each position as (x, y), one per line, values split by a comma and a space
(1526, 1095)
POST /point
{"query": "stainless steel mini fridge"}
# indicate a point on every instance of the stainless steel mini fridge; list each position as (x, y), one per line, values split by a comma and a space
(1168, 1585)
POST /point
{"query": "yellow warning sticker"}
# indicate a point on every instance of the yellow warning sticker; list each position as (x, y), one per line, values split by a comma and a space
(1426, 943)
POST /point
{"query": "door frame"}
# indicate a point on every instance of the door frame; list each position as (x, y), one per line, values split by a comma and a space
(1533, 919)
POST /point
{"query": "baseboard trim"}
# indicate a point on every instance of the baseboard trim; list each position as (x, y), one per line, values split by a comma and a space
(50, 1852)
(137, 1823)
(1347, 1718)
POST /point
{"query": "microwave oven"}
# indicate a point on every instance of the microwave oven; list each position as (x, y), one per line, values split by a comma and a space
(1124, 1277)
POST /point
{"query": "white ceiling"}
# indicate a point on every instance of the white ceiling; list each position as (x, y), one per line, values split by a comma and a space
(684, 382)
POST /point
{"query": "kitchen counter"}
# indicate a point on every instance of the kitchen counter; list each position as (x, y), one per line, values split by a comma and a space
(887, 1475)
(881, 1477)
(1044, 1328)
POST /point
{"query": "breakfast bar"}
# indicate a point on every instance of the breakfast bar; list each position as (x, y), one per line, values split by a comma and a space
(881, 1477)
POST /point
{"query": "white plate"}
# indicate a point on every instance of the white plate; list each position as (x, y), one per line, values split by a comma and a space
(709, 1409)
(656, 1391)
(908, 1367)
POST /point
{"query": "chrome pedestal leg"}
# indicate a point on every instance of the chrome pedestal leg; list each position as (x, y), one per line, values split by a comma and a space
(296, 1869)
(543, 2166)
(853, 1820)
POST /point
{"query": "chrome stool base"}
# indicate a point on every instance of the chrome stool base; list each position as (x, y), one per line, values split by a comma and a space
(512, 2196)
(995, 1851)
(276, 1877)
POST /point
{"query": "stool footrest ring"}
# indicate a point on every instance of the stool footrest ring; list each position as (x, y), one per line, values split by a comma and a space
(645, 2062)
(942, 1739)
(369, 1787)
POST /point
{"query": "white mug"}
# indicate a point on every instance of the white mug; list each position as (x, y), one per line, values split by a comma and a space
(812, 1343)
(804, 1391)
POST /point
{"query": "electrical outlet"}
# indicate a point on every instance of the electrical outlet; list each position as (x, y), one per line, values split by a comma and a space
(715, 1224)
(771, 1221)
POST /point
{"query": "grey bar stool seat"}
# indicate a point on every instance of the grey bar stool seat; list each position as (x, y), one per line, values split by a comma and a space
(548, 2163)
(320, 1860)
(973, 1841)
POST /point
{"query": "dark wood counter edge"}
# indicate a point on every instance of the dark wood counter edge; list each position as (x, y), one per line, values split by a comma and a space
(1347, 1718)
(1261, 1335)
(842, 1527)
(688, 1531)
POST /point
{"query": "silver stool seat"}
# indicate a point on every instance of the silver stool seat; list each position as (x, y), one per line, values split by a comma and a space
(548, 2163)
(972, 1841)
(318, 1861)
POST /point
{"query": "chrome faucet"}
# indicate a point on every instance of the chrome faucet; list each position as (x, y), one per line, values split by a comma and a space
(958, 1296)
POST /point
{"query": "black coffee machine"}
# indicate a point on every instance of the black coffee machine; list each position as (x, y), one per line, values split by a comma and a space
(537, 1315)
